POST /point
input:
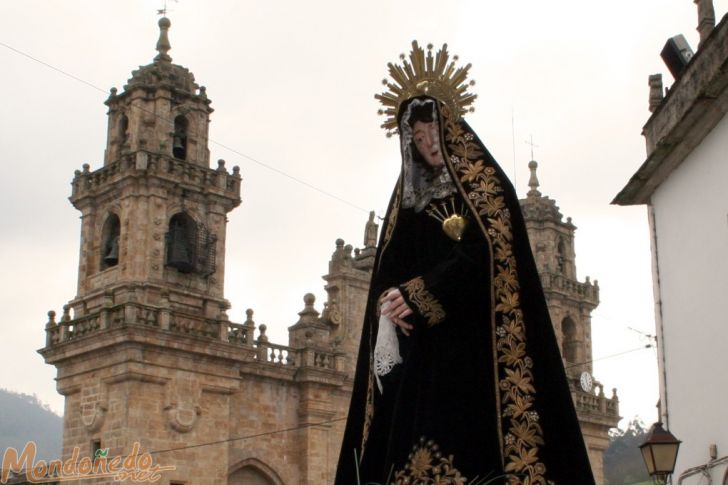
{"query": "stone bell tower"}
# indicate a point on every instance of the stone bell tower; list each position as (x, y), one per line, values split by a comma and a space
(153, 217)
(570, 301)
(570, 304)
(128, 347)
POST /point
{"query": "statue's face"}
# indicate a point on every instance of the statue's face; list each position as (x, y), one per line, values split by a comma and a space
(427, 141)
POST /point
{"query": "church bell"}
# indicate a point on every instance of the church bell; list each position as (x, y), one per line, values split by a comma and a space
(180, 253)
(112, 256)
(178, 147)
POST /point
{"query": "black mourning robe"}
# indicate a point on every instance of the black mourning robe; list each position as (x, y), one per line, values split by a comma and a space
(481, 395)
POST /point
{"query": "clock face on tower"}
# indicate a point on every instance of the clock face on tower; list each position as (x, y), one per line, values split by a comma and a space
(586, 381)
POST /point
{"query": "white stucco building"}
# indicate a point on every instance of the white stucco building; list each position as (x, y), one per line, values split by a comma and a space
(684, 183)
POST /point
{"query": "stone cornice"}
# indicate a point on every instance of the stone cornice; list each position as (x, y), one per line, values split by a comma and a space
(216, 183)
(696, 103)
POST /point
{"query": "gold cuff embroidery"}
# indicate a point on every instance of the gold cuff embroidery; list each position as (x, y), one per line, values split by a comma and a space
(427, 305)
(427, 464)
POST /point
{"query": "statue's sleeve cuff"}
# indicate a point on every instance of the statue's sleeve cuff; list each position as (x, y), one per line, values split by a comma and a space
(421, 301)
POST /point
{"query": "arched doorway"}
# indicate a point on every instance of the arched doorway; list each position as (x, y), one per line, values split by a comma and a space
(253, 472)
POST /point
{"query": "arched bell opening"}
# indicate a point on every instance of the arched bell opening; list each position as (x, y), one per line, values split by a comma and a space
(123, 133)
(561, 255)
(570, 342)
(179, 139)
(110, 242)
(181, 240)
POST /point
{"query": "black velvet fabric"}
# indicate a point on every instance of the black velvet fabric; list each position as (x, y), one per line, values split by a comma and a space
(448, 396)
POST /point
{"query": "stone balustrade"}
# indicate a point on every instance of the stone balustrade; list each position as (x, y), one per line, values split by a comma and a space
(86, 182)
(596, 403)
(587, 290)
(238, 334)
(235, 334)
(275, 354)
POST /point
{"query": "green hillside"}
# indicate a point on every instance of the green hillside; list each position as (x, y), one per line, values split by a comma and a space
(24, 418)
(623, 464)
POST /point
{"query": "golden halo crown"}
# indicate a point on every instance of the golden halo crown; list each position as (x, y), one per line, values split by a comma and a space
(425, 75)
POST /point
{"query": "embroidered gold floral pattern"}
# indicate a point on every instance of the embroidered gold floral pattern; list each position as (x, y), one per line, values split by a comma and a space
(426, 465)
(369, 407)
(392, 222)
(522, 433)
(427, 305)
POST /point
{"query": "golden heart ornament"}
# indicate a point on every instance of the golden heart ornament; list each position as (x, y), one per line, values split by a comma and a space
(454, 226)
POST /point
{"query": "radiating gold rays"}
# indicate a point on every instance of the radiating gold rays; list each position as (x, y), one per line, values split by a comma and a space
(425, 74)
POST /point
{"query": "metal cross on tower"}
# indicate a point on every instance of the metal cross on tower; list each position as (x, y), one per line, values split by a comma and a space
(533, 145)
(163, 11)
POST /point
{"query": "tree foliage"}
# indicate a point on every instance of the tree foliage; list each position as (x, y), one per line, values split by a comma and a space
(623, 464)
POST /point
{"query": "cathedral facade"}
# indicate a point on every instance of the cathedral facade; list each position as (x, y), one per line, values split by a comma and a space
(145, 352)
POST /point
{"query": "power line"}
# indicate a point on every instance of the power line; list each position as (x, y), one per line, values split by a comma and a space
(257, 435)
(221, 145)
(295, 179)
(648, 346)
(61, 71)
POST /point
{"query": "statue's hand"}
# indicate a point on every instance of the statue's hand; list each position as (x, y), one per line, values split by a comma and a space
(397, 309)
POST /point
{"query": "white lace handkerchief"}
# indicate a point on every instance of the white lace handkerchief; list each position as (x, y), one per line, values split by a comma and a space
(386, 350)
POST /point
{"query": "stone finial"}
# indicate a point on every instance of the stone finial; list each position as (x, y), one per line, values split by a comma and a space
(370, 232)
(339, 252)
(51, 318)
(341, 259)
(223, 316)
(262, 337)
(249, 317)
(656, 91)
(533, 181)
(308, 315)
(706, 19)
(163, 45)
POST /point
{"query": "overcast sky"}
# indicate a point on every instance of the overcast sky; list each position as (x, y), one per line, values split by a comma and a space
(292, 86)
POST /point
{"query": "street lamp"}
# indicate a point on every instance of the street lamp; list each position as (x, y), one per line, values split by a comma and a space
(659, 450)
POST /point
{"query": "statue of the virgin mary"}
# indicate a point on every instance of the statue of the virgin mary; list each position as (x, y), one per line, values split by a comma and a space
(459, 377)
